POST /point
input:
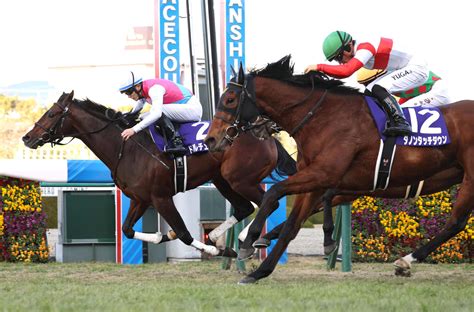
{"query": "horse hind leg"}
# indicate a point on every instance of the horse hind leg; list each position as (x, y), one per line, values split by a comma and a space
(460, 213)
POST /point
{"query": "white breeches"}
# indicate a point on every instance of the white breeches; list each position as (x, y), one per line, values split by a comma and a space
(409, 77)
(184, 112)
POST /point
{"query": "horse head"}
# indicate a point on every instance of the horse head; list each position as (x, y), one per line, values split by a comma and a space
(69, 117)
(236, 113)
(50, 128)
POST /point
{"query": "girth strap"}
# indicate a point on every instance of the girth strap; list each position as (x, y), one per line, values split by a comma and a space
(180, 174)
(383, 166)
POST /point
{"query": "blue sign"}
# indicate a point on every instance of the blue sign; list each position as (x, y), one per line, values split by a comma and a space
(169, 40)
(235, 36)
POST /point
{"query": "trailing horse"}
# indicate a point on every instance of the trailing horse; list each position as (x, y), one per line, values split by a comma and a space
(339, 145)
(146, 175)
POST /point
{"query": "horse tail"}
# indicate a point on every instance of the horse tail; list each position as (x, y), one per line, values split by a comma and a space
(286, 165)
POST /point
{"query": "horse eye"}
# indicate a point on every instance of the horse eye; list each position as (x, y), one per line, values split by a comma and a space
(51, 114)
(229, 100)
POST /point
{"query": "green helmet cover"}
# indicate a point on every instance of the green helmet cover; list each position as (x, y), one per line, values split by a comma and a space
(334, 43)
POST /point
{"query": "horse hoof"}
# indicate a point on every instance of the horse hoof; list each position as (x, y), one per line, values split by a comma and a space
(402, 272)
(402, 268)
(228, 253)
(247, 280)
(245, 254)
(329, 249)
(402, 263)
(261, 243)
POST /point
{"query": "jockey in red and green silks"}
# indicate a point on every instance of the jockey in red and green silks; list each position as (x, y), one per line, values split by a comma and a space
(404, 74)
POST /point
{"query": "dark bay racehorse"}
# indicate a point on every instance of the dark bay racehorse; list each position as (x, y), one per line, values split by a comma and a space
(338, 143)
(146, 175)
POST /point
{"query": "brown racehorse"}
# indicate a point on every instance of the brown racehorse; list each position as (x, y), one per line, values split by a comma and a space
(333, 197)
(146, 175)
(338, 142)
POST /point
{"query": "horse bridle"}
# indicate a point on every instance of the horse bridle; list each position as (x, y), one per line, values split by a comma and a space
(49, 135)
(240, 125)
(52, 136)
(245, 96)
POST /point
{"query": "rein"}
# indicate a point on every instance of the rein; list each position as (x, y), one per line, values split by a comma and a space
(245, 94)
(49, 134)
(309, 114)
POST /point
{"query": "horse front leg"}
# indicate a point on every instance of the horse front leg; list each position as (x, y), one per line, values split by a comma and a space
(269, 204)
(135, 212)
(328, 201)
(300, 212)
(302, 182)
(166, 208)
(265, 240)
(242, 206)
(460, 213)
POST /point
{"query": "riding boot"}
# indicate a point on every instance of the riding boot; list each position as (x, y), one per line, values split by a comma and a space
(174, 142)
(397, 125)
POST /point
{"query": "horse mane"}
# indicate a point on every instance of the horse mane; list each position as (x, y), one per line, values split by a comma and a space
(92, 107)
(283, 70)
(106, 113)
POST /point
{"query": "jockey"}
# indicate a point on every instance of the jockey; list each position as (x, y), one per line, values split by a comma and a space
(405, 76)
(169, 102)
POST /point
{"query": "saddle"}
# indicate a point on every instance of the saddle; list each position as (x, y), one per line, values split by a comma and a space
(428, 129)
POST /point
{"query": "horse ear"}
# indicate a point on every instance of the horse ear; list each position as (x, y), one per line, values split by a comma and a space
(234, 73)
(70, 95)
(241, 74)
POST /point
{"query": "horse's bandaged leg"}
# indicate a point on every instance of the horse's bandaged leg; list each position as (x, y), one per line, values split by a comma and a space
(244, 232)
(222, 228)
(409, 259)
(205, 248)
(154, 238)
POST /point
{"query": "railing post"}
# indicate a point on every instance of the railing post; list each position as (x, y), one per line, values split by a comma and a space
(346, 238)
(232, 241)
(342, 229)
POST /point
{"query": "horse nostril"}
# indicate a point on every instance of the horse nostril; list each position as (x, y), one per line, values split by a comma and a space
(26, 138)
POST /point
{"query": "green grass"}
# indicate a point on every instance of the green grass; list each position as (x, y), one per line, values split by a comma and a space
(303, 284)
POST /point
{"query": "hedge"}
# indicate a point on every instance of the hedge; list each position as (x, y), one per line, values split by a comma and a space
(385, 229)
(22, 222)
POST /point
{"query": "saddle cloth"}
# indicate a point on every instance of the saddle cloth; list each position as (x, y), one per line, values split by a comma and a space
(193, 134)
(427, 123)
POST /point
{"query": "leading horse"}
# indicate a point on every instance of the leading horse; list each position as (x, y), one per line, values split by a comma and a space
(338, 143)
(146, 175)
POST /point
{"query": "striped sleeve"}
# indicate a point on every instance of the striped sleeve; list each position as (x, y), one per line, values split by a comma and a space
(343, 70)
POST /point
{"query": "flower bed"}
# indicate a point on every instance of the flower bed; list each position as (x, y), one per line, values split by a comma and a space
(22, 222)
(384, 230)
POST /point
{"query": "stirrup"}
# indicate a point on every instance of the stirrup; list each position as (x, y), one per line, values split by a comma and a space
(176, 147)
(397, 130)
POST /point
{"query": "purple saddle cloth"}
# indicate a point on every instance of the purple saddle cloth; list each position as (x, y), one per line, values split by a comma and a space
(193, 134)
(427, 124)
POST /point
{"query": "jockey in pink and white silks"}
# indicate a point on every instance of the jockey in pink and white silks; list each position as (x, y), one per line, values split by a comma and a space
(406, 76)
(169, 101)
